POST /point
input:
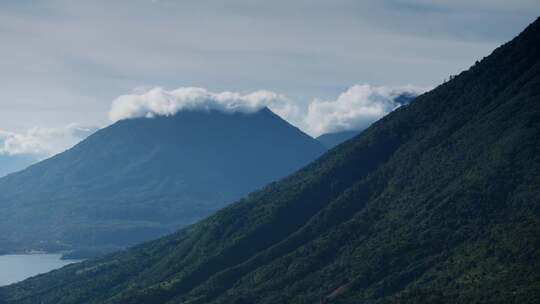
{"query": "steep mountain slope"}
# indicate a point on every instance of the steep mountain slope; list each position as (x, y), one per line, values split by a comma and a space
(438, 202)
(141, 178)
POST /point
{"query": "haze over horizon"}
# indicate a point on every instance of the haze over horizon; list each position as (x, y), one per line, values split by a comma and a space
(323, 67)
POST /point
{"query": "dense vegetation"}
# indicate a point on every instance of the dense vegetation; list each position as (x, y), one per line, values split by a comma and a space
(142, 178)
(439, 202)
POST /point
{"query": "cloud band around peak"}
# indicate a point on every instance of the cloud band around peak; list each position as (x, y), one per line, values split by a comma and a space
(160, 102)
(354, 109)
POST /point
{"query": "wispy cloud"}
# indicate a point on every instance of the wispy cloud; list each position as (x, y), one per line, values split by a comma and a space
(355, 109)
(42, 142)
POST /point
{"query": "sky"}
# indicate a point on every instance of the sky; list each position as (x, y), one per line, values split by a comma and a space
(68, 67)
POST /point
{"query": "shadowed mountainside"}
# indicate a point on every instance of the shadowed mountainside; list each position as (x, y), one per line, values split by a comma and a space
(141, 178)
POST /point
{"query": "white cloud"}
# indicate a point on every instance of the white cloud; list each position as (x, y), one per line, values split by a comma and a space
(42, 142)
(355, 109)
(158, 101)
(236, 44)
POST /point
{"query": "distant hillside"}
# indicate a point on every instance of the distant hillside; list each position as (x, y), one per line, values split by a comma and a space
(141, 178)
(330, 140)
(438, 202)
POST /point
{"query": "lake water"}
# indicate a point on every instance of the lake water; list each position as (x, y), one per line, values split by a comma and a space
(17, 267)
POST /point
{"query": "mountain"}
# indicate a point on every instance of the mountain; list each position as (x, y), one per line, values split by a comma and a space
(14, 163)
(405, 98)
(330, 140)
(141, 178)
(438, 202)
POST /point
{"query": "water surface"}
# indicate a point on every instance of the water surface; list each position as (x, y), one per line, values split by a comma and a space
(17, 267)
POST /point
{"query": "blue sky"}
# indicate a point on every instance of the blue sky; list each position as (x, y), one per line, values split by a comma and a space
(64, 62)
